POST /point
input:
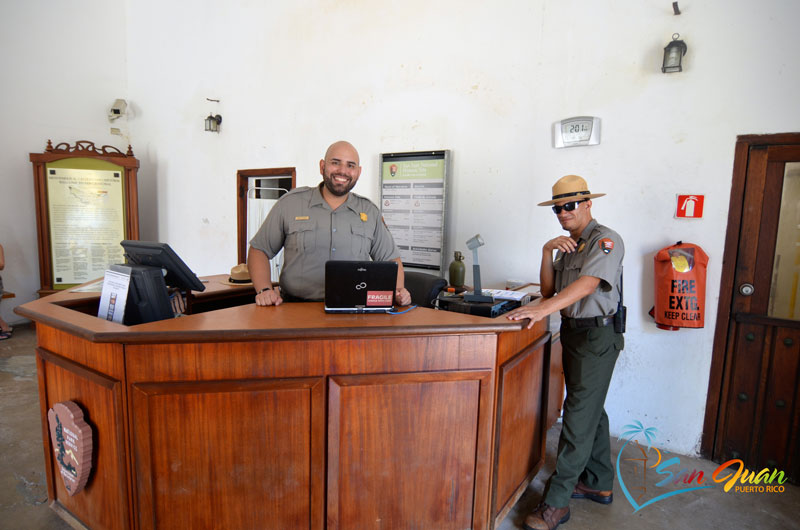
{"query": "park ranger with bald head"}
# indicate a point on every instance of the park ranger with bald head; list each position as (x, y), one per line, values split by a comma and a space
(317, 224)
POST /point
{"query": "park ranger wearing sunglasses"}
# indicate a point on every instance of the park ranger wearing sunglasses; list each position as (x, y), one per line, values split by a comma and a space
(583, 282)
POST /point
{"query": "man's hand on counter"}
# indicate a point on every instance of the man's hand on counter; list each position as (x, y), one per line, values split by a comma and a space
(402, 296)
(269, 297)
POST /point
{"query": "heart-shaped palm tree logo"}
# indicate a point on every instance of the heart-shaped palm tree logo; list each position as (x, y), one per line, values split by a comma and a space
(649, 434)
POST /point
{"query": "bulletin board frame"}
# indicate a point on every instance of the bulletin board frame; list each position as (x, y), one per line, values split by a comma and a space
(414, 198)
(83, 158)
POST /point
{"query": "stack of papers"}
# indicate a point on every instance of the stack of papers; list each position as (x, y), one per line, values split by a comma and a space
(500, 294)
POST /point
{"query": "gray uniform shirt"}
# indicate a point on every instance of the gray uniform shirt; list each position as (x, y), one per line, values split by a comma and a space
(599, 253)
(312, 233)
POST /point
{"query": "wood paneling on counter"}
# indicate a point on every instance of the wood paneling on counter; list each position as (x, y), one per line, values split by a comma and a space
(245, 454)
(409, 450)
(520, 430)
(219, 360)
(104, 502)
(104, 358)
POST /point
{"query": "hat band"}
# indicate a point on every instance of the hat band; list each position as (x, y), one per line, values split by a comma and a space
(233, 280)
(570, 194)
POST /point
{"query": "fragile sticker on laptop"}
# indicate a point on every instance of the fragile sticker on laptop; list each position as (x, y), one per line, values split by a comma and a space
(379, 298)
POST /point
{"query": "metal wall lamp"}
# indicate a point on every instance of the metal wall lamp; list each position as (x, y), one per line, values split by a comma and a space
(673, 55)
(212, 123)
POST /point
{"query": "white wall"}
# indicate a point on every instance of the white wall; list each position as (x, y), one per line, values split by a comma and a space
(63, 65)
(486, 81)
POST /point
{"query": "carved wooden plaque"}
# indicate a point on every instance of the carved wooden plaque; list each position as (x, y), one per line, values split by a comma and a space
(72, 443)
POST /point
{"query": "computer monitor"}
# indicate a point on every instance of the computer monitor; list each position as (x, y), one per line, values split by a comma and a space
(160, 255)
(148, 299)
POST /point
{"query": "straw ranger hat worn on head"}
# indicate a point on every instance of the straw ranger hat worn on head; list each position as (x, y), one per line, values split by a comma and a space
(240, 275)
(570, 188)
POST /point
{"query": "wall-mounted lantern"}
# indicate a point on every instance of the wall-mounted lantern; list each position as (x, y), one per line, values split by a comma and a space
(673, 55)
(212, 123)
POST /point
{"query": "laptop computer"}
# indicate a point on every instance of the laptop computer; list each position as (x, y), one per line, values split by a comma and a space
(360, 286)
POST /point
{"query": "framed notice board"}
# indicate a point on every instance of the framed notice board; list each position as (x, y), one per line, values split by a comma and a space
(414, 205)
(86, 203)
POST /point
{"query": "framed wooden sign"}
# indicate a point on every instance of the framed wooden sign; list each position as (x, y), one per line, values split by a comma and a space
(86, 203)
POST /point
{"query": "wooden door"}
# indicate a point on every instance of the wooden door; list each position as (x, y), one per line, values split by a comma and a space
(758, 407)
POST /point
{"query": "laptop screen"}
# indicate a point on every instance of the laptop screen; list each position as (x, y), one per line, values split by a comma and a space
(360, 286)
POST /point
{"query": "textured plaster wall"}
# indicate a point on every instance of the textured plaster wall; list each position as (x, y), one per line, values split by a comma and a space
(483, 80)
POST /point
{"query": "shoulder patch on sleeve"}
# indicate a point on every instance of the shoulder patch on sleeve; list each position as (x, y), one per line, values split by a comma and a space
(606, 245)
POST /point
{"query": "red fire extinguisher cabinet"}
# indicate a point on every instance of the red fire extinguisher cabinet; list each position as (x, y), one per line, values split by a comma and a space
(680, 283)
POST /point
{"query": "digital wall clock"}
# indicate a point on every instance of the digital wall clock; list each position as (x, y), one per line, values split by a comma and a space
(580, 130)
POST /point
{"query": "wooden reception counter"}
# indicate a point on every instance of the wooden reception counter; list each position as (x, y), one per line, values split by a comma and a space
(285, 417)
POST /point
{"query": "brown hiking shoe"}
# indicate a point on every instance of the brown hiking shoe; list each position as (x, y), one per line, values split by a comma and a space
(582, 491)
(546, 517)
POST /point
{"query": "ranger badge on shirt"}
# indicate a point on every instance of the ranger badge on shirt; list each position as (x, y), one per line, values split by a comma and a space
(606, 245)
(363, 216)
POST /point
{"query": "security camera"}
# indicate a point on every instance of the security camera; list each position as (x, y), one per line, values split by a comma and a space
(117, 109)
(475, 242)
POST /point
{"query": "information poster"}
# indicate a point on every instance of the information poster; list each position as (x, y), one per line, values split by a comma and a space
(413, 205)
(87, 223)
(114, 296)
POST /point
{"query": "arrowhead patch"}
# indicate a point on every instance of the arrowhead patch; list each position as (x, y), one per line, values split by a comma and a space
(606, 245)
(71, 439)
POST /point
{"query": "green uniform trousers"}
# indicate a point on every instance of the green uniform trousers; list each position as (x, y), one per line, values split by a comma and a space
(584, 448)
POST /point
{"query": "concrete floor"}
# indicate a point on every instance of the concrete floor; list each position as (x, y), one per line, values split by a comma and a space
(23, 491)
(708, 509)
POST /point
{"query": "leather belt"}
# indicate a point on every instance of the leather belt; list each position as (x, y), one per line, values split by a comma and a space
(592, 322)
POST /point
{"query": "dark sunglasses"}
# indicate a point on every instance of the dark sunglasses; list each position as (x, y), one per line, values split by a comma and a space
(567, 207)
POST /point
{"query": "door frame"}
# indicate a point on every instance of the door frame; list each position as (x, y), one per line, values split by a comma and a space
(720, 365)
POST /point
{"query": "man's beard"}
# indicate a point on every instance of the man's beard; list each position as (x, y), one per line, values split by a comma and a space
(336, 189)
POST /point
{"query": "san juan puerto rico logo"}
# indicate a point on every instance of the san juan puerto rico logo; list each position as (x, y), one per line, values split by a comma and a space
(674, 479)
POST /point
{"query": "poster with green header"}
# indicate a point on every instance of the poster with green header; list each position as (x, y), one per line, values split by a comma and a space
(413, 205)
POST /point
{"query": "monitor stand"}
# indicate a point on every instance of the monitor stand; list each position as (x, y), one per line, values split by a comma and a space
(148, 299)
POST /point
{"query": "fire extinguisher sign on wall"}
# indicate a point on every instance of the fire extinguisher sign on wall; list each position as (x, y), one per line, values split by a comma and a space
(690, 206)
